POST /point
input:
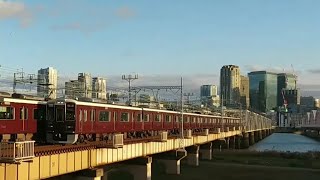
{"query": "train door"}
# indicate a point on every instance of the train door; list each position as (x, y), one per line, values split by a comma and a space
(92, 120)
(80, 120)
(23, 116)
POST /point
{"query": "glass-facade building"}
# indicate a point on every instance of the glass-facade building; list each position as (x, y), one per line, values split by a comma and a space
(263, 90)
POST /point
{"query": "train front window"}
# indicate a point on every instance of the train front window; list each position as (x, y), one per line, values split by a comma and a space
(70, 112)
(60, 113)
(6, 113)
(50, 112)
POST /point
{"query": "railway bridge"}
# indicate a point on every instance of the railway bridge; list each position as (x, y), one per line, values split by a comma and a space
(93, 161)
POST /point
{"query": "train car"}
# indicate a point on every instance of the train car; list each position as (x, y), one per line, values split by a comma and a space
(71, 121)
(21, 116)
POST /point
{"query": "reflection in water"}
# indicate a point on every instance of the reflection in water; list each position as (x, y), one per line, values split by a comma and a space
(287, 142)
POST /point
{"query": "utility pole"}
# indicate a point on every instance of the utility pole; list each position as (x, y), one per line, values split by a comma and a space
(130, 78)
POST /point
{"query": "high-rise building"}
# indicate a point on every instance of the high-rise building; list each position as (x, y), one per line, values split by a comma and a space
(263, 90)
(99, 88)
(208, 90)
(286, 81)
(86, 84)
(47, 82)
(307, 104)
(230, 85)
(81, 87)
(292, 96)
(244, 92)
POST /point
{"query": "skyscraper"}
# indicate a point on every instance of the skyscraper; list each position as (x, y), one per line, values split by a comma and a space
(81, 87)
(244, 92)
(209, 95)
(85, 84)
(47, 83)
(99, 88)
(230, 84)
(286, 81)
(208, 90)
(263, 90)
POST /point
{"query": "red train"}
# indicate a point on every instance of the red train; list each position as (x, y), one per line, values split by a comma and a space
(71, 121)
(21, 117)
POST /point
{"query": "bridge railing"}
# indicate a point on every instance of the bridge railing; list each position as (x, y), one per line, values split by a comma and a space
(253, 121)
(13, 152)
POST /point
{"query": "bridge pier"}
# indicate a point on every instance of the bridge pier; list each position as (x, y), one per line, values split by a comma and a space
(193, 155)
(251, 138)
(139, 168)
(232, 142)
(172, 162)
(264, 133)
(245, 141)
(91, 174)
(226, 143)
(256, 136)
(206, 151)
(237, 142)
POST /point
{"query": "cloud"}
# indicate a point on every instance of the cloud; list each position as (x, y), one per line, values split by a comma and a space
(81, 27)
(125, 12)
(314, 71)
(17, 11)
(99, 18)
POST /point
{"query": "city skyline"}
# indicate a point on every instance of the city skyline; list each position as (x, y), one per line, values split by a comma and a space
(187, 39)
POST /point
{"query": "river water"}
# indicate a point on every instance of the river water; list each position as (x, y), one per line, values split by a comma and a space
(287, 142)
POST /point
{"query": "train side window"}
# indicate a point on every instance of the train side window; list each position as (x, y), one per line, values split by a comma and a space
(23, 113)
(6, 113)
(124, 117)
(139, 117)
(132, 117)
(104, 116)
(168, 118)
(158, 118)
(177, 119)
(146, 118)
(194, 120)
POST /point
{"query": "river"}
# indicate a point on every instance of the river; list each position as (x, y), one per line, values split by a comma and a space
(287, 142)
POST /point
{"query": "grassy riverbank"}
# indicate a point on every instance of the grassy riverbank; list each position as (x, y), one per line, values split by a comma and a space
(230, 171)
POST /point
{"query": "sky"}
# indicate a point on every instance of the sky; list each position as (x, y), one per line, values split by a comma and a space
(162, 40)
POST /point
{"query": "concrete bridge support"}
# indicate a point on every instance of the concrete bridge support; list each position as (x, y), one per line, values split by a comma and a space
(256, 136)
(193, 155)
(264, 133)
(172, 161)
(238, 142)
(91, 174)
(139, 168)
(206, 151)
(232, 142)
(226, 143)
(245, 141)
(251, 138)
(260, 135)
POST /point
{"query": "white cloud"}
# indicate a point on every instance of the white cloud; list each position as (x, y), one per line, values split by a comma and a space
(125, 12)
(16, 10)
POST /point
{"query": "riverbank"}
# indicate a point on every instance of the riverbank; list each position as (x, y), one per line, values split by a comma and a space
(232, 171)
(269, 158)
